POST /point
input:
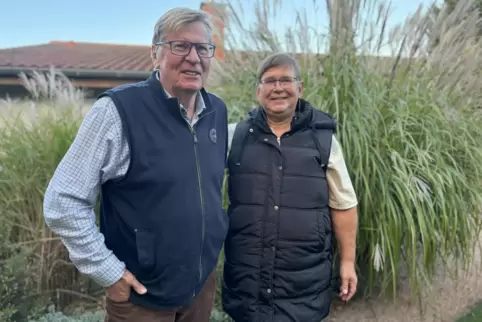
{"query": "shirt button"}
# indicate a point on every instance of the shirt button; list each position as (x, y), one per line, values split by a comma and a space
(273, 248)
(276, 208)
(280, 167)
(268, 290)
(265, 139)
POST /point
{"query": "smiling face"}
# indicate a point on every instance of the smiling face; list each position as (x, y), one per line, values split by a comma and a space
(279, 91)
(187, 73)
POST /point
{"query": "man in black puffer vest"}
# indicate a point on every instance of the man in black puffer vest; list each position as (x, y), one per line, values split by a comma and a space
(288, 186)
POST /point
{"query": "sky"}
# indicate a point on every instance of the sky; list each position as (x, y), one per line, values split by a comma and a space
(31, 22)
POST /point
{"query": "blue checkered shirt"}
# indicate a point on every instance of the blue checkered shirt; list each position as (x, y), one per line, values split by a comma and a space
(99, 153)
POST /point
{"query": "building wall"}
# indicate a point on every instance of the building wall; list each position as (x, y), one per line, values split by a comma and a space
(219, 16)
(12, 87)
(14, 92)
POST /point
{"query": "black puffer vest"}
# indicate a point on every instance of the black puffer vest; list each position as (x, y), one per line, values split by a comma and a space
(278, 252)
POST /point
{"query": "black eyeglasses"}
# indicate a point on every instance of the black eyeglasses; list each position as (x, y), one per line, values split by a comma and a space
(183, 48)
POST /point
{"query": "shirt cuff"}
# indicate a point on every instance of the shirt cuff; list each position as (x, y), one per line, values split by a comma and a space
(109, 272)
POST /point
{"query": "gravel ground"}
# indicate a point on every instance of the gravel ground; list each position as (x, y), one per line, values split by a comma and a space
(448, 301)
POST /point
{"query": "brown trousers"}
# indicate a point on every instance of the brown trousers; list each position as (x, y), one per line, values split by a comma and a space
(197, 311)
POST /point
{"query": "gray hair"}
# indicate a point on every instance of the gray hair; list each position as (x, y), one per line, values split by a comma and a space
(279, 59)
(176, 18)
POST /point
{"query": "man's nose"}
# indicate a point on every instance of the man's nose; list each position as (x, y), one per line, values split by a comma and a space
(277, 86)
(193, 56)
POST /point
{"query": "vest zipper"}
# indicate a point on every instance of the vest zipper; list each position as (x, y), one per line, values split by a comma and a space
(201, 197)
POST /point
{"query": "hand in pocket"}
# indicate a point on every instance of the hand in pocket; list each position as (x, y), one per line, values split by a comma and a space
(121, 290)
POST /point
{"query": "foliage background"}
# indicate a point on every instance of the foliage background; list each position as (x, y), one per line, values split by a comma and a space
(409, 127)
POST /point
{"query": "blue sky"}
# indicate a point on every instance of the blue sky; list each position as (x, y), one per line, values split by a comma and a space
(31, 22)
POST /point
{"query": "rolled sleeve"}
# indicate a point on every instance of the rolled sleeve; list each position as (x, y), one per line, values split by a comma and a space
(342, 193)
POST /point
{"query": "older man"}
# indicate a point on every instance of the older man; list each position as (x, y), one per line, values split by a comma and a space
(157, 150)
(288, 185)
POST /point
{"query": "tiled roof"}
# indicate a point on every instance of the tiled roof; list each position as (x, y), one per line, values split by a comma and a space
(78, 55)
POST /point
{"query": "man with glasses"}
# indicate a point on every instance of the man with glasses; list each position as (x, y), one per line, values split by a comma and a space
(156, 150)
(289, 192)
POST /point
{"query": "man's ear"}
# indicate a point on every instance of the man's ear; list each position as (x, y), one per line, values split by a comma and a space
(301, 87)
(258, 90)
(154, 56)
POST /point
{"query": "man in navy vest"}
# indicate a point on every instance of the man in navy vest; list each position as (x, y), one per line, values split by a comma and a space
(156, 150)
(289, 192)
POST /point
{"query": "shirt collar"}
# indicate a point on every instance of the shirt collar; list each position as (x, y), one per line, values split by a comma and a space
(200, 105)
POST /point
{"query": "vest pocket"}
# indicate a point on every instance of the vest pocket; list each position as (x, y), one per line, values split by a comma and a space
(145, 242)
(325, 234)
(322, 228)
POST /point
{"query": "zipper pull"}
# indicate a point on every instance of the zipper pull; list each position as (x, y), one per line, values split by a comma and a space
(195, 137)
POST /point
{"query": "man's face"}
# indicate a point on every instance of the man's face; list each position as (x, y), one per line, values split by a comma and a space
(279, 91)
(187, 72)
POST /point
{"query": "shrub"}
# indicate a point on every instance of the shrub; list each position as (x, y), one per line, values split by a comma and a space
(53, 316)
(34, 136)
(14, 281)
(98, 316)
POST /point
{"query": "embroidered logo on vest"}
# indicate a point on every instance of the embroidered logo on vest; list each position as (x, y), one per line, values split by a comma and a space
(212, 135)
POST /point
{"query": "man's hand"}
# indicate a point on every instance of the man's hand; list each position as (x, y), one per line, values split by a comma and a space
(349, 280)
(120, 291)
(345, 224)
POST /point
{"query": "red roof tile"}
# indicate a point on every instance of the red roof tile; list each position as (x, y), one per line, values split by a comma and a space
(78, 55)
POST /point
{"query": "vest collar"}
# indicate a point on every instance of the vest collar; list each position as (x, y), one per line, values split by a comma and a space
(302, 119)
(157, 87)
